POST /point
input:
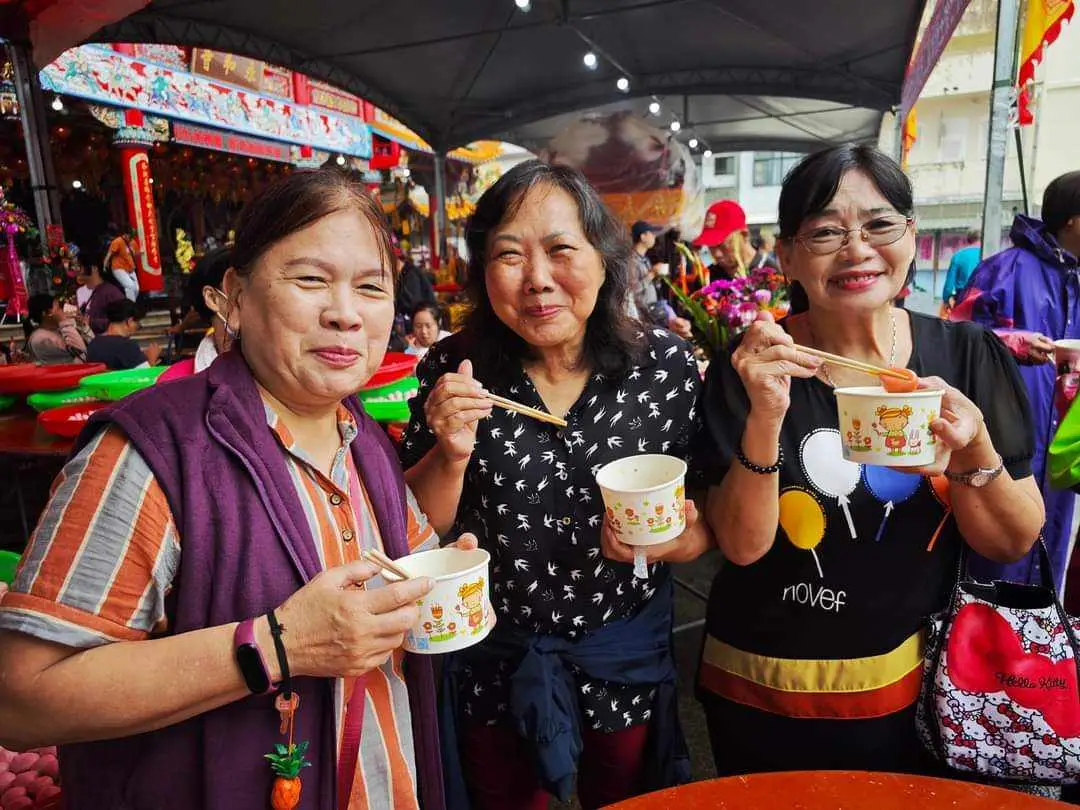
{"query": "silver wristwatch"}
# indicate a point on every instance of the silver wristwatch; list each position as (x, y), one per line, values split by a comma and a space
(978, 478)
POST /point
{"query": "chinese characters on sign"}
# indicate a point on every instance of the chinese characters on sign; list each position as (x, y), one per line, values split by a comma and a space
(140, 196)
(227, 67)
(229, 142)
(323, 95)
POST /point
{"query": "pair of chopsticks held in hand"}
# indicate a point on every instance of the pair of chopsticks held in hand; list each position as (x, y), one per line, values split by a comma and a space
(384, 563)
(895, 380)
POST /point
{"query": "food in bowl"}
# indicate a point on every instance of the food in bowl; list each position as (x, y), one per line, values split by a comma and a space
(894, 385)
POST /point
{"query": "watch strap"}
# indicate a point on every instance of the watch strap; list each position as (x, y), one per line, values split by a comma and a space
(989, 473)
(247, 650)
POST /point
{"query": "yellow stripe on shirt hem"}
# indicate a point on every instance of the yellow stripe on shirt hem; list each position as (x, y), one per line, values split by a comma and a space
(817, 675)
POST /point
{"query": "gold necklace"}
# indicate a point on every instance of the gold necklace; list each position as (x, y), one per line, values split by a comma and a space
(824, 366)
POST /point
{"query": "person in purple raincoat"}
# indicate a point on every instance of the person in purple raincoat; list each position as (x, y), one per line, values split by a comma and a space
(1030, 295)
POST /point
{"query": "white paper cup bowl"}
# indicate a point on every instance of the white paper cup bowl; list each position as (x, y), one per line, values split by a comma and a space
(457, 613)
(888, 430)
(1067, 352)
(644, 497)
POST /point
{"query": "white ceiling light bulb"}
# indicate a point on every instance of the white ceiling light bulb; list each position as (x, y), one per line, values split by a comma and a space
(590, 60)
(693, 143)
(76, 184)
(654, 108)
(675, 126)
(57, 104)
(523, 5)
(623, 84)
(708, 153)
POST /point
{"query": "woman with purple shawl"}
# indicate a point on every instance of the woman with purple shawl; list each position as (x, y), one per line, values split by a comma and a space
(1030, 295)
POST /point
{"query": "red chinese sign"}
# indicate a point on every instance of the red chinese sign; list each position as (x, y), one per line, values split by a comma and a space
(143, 216)
(231, 142)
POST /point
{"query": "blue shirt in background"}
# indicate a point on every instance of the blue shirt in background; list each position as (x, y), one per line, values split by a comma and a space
(963, 264)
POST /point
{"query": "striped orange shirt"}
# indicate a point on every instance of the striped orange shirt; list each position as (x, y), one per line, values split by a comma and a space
(106, 550)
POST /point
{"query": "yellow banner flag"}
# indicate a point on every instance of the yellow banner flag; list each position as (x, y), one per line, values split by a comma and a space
(909, 136)
(1042, 24)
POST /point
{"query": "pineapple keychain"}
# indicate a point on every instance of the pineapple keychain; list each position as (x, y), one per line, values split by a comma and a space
(287, 760)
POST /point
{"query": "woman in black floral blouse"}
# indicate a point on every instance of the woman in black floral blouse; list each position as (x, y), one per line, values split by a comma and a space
(577, 675)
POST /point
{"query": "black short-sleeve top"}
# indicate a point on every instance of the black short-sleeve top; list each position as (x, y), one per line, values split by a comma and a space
(530, 492)
(866, 585)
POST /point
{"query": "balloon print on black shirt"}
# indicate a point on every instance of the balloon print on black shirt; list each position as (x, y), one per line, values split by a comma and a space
(823, 463)
(939, 484)
(803, 520)
(891, 488)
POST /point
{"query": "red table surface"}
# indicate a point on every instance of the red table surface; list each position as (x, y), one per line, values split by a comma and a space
(21, 435)
(835, 790)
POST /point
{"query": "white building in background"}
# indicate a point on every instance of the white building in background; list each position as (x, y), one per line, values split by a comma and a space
(751, 178)
(947, 165)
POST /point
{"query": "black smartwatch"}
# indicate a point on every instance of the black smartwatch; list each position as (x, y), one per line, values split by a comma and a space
(250, 659)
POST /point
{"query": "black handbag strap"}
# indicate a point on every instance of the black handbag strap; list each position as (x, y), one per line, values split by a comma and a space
(963, 574)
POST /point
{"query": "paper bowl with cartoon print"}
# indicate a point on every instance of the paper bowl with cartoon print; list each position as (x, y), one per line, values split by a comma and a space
(645, 498)
(1067, 353)
(457, 613)
(888, 430)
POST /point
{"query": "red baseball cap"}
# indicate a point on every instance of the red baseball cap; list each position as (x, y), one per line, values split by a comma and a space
(721, 220)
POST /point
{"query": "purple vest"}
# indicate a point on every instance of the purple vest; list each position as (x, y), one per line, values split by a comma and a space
(245, 548)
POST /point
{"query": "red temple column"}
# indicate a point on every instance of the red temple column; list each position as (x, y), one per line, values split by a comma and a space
(142, 213)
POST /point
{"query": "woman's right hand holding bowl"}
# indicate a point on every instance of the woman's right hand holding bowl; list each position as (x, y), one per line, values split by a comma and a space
(335, 627)
(453, 410)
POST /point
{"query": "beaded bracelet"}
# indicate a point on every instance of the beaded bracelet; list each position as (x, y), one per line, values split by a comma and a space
(757, 468)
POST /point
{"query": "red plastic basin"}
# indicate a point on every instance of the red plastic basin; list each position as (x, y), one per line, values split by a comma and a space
(395, 366)
(69, 420)
(27, 378)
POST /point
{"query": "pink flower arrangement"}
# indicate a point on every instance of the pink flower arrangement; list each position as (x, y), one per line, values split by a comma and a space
(724, 309)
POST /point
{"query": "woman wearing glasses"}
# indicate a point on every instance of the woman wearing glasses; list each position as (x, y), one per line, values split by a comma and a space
(814, 662)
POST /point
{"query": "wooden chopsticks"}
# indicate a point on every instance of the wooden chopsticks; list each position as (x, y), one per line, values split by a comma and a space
(517, 407)
(854, 365)
(385, 563)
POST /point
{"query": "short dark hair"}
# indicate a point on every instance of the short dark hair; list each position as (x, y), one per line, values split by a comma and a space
(1061, 201)
(973, 236)
(300, 199)
(435, 311)
(610, 347)
(38, 307)
(209, 272)
(122, 310)
(812, 184)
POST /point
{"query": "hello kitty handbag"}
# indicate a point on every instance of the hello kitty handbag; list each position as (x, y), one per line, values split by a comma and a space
(999, 694)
